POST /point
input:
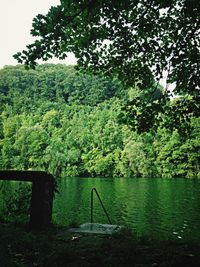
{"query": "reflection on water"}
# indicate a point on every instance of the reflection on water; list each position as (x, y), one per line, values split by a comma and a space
(159, 208)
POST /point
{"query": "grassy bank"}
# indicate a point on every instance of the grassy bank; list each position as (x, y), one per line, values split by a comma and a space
(56, 247)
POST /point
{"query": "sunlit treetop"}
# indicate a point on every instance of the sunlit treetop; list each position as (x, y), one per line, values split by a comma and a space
(134, 40)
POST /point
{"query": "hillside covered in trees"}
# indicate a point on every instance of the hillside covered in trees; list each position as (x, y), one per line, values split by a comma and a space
(72, 124)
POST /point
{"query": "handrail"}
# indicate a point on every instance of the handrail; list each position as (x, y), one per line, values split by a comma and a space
(92, 204)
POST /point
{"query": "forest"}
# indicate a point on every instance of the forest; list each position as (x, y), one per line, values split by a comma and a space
(68, 123)
(108, 116)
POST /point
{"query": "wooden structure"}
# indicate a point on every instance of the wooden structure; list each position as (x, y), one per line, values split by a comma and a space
(42, 194)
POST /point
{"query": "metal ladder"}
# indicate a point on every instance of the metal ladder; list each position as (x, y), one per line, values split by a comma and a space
(92, 205)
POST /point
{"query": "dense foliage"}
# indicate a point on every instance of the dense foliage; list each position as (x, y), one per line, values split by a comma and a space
(133, 40)
(71, 124)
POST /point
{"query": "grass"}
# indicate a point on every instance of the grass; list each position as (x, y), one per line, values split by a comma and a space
(57, 247)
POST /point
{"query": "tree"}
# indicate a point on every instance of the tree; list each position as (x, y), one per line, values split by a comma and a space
(126, 37)
(135, 40)
(84, 136)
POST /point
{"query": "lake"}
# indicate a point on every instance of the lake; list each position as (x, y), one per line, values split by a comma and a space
(155, 208)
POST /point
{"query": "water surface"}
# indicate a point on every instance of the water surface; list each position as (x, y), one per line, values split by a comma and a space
(158, 208)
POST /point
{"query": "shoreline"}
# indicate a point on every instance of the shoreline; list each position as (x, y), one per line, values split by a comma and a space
(56, 247)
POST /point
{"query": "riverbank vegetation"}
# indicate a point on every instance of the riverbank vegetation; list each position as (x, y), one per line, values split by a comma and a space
(71, 124)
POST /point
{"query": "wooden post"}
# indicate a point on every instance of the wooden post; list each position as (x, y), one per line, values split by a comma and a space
(41, 198)
(41, 204)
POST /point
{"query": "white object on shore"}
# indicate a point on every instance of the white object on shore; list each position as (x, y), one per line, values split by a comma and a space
(97, 228)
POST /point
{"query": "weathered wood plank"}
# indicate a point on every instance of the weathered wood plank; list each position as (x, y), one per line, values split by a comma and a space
(25, 175)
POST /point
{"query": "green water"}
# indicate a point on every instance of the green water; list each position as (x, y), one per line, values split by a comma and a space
(158, 208)
(155, 208)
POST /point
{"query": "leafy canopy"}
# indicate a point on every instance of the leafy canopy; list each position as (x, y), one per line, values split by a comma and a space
(127, 37)
(67, 123)
(134, 40)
